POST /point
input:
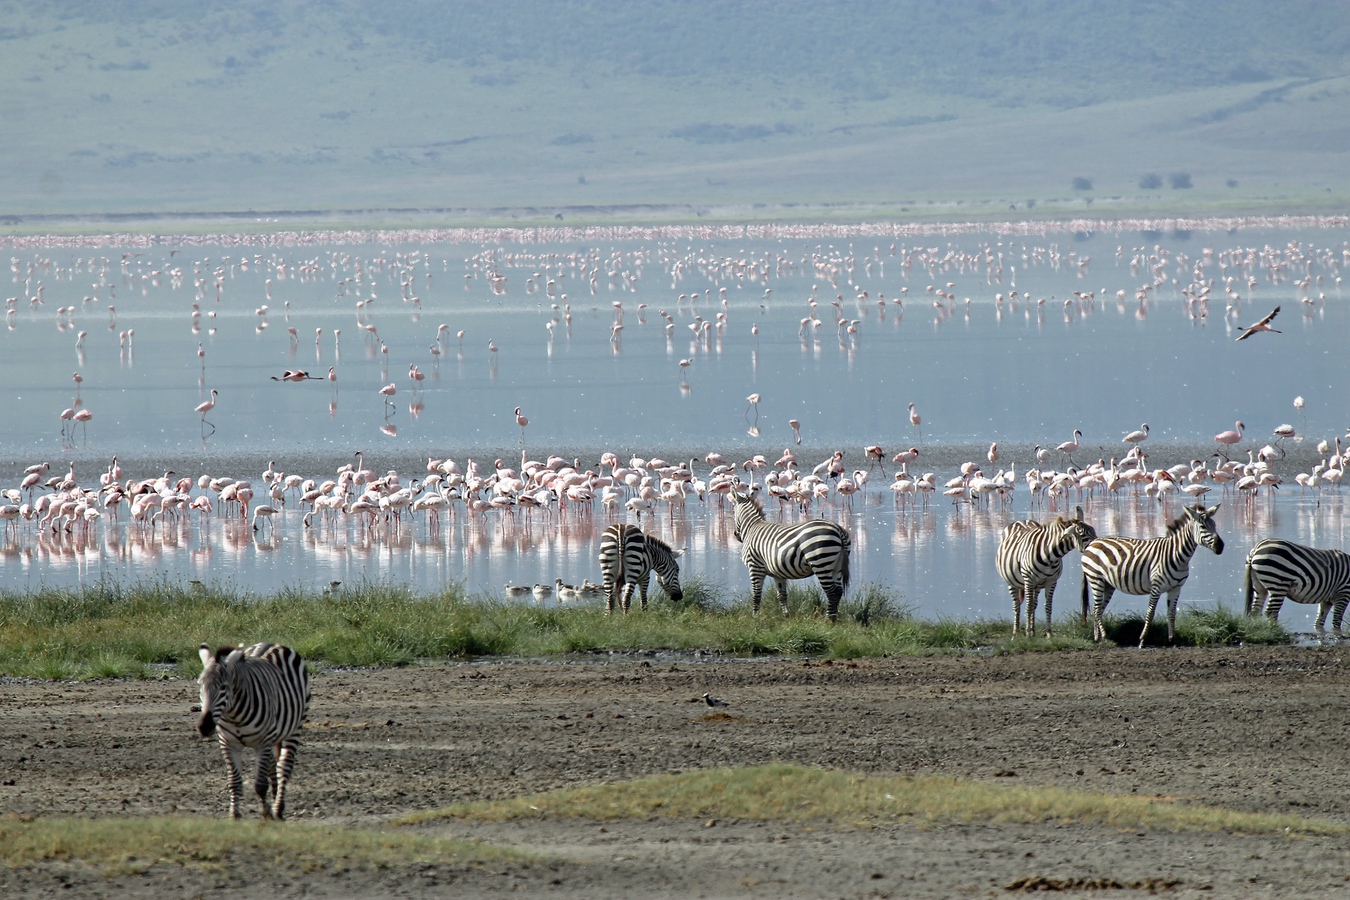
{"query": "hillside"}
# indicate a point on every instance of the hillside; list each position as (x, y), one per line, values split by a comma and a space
(522, 110)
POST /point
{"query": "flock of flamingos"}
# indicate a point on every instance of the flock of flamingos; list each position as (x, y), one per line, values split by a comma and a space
(51, 502)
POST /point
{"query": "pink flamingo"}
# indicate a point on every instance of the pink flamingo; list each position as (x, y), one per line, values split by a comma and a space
(916, 421)
(522, 422)
(206, 406)
(1229, 438)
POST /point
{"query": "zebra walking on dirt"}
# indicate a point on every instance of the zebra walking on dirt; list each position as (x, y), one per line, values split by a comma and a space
(1030, 558)
(1278, 570)
(256, 698)
(817, 547)
(1154, 567)
(628, 557)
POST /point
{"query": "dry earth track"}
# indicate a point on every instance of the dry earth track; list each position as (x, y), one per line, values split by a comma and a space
(1259, 729)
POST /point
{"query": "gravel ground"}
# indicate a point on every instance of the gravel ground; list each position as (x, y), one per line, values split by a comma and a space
(1260, 729)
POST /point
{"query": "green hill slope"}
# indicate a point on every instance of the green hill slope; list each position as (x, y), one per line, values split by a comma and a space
(527, 110)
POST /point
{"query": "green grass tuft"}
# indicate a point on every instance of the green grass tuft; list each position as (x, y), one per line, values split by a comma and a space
(142, 629)
(133, 845)
(781, 792)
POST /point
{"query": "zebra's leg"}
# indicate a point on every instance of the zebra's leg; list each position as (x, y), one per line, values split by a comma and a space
(233, 764)
(1154, 594)
(1015, 590)
(1273, 606)
(782, 594)
(611, 593)
(626, 595)
(642, 588)
(1339, 614)
(834, 593)
(1032, 594)
(1101, 596)
(1322, 610)
(263, 779)
(285, 764)
(1049, 604)
(756, 590)
(1173, 601)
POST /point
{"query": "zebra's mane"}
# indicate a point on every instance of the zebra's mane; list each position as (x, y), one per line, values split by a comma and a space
(752, 500)
(1184, 519)
(653, 540)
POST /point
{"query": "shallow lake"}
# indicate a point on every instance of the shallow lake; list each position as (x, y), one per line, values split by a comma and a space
(1013, 339)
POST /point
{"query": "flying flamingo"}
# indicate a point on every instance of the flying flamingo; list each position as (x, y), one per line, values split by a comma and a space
(206, 406)
(1229, 438)
(1263, 325)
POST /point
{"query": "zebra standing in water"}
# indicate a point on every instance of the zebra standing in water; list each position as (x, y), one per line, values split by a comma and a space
(1150, 567)
(815, 547)
(1278, 569)
(255, 697)
(1031, 557)
(627, 557)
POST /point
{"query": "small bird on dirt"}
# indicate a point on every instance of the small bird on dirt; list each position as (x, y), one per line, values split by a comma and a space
(1263, 325)
(713, 701)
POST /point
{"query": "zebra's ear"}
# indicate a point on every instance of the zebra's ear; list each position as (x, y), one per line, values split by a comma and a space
(1213, 509)
(205, 653)
(680, 552)
(233, 657)
(1079, 513)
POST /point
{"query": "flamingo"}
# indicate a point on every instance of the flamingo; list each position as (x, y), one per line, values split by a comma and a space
(206, 406)
(753, 401)
(522, 421)
(1263, 325)
(1229, 438)
(1137, 437)
(915, 421)
(1070, 447)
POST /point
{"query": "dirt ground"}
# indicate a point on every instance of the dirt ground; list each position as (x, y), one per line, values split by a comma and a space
(1262, 729)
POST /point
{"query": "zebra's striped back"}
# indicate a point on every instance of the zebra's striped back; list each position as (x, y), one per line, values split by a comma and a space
(627, 556)
(1153, 566)
(817, 547)
(1278, 570)
(1030, 558)
(255, 698)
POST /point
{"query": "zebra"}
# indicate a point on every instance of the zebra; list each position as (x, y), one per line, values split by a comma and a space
(1030, 558)
(627, 557)
(255, 697)
(815, 547)
(1278, 569)
(1150, 567)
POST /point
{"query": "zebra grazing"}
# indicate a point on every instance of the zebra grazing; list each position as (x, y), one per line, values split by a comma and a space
(816, 547)
(1031, 557)
(1147, 566)
(627, 557)
(1277, 570)
(255, 697)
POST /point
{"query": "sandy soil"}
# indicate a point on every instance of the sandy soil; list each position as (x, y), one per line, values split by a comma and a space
(1248, 728)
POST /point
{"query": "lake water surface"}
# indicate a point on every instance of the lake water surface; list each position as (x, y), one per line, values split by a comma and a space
(1017, 340)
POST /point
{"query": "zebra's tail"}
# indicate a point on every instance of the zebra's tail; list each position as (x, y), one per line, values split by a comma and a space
(1085, 598)
(845, 547)
(1248, 590)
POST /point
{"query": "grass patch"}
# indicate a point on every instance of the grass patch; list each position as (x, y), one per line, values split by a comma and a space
(1218, 626)
(133, 845)
(789, 793)
(133, 631)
